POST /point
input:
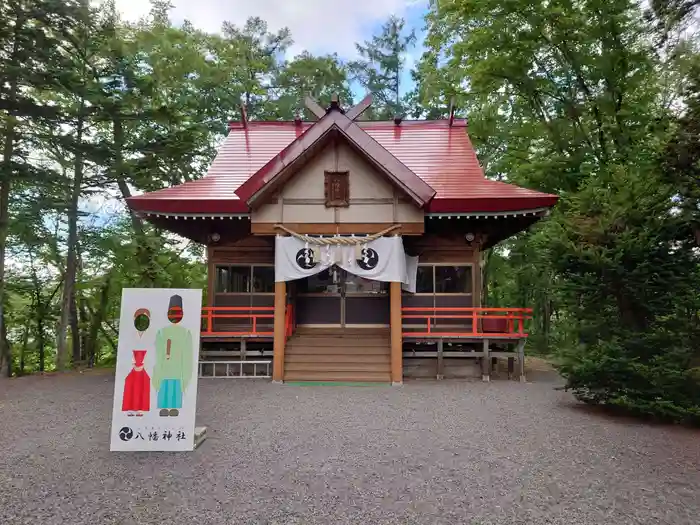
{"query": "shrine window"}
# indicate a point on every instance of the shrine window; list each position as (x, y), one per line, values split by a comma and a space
(443, 279)
(245, 279)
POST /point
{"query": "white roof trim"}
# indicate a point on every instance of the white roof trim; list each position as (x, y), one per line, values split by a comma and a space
(488, 214)
(194, 216)
(241, 216)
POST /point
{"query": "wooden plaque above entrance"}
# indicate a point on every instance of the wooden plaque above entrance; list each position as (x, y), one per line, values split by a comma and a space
(337, 189)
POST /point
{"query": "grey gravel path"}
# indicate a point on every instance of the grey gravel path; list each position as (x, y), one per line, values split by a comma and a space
(428, 453)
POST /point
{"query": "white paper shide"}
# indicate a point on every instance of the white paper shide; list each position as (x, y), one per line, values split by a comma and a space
(155, 390)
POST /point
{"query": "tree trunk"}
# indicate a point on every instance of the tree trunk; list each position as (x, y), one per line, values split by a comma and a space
(41, 342)
(41, 309)
(5, 360)
(6, 344)
(96, 319)
(76, 339)
(23, 351)
(6, 186)
(547, 319)
(68, 300)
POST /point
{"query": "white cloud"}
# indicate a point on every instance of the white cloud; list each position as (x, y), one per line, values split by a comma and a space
(319, 26)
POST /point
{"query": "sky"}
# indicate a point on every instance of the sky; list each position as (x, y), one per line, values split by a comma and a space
(318, 26)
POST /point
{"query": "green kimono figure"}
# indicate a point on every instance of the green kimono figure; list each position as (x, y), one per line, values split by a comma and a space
(174, 354)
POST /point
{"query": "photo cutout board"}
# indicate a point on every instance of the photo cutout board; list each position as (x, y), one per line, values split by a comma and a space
(155, 388)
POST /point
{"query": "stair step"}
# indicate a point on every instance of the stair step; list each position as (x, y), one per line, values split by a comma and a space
(335, 350)
(358, 377)
(338, 367)
(330, 342)
(336, 358)
(337, 333)
(336, 354)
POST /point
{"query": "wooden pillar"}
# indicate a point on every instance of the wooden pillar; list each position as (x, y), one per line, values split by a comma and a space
(440, 361)
(478, 280)
(486, 362)
(511, 367)
(396, 334)
(280, 339)
(521, 359)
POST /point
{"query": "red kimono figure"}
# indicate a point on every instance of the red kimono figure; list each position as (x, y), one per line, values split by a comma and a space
(137, 388)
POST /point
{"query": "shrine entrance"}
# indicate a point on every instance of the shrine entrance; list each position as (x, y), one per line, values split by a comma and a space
(337, 298)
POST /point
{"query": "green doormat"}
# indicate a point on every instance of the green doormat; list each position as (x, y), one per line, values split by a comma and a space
(332, 383)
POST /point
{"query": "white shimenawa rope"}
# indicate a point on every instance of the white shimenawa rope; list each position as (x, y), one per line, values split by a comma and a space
(346, 241)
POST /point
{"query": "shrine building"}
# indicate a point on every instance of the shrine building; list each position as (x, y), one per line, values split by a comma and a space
(350, 250)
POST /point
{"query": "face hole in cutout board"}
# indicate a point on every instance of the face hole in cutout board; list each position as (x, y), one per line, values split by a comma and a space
(142, 320)
(175, 311)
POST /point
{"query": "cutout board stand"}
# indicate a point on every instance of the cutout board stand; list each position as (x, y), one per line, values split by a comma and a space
(155, 388)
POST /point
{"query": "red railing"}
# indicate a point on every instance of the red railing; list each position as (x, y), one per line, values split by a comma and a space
(253, 328)
(260, 321)
(465, 322)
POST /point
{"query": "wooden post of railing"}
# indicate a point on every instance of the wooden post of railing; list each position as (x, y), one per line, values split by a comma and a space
(280, 340)
(396, 337)
(475, 328)
(210, 323)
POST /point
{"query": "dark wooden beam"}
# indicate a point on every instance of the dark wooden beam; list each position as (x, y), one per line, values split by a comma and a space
(244, 116)
(267, 228)
(335, 102)
(358, 109)
(314, 107)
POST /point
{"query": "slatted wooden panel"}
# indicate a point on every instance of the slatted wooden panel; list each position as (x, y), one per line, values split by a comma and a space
(433, 248)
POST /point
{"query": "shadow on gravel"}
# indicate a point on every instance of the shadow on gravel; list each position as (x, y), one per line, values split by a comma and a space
(622, 416)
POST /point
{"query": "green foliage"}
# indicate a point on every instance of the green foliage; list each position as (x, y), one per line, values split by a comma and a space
(582, 100)
(612, 373)
(320, 77)
(92, 109)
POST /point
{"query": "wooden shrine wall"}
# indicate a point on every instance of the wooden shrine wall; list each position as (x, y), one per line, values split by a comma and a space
(301, 204)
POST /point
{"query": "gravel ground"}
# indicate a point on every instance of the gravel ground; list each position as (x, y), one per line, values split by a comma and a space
(449, 452)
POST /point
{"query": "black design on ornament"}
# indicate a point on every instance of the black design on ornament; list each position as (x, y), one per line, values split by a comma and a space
(369, 259)
(305, 258)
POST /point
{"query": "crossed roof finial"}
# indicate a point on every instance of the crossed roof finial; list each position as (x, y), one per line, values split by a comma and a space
(353, 113)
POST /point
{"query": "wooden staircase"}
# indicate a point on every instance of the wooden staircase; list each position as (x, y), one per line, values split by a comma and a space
(336, 354)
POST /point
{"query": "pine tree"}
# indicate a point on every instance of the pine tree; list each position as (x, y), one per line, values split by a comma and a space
(33, 34)
(381, 68)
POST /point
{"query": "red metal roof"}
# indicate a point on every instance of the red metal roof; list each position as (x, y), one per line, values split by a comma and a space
(440, 154)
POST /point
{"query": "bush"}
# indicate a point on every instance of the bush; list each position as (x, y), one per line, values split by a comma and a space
(612, 373)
